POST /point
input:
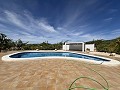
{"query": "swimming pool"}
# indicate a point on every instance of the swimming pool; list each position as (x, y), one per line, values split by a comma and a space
(62, 55)
(55, 54)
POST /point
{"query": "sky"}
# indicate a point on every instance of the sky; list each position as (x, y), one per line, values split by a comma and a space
(37, 21)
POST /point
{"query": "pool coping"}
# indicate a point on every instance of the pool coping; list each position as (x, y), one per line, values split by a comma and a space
(112, 62)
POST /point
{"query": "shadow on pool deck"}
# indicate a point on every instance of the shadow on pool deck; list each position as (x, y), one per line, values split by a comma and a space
(54, 74)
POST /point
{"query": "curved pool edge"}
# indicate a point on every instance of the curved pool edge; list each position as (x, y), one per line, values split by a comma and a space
(112, 62)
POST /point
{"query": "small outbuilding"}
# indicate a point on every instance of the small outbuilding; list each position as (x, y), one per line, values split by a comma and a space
(78, 46)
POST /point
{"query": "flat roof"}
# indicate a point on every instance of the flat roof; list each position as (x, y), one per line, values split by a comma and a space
(73, 42)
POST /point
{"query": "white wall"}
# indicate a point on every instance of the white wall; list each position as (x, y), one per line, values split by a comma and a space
(65, 47)
(89, 46)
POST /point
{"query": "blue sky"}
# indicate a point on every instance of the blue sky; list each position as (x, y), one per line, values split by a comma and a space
(59, 20)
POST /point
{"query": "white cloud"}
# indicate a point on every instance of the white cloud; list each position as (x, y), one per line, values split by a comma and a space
(2, 26)
(59, 28)
(2, 19)
(39, 30)
(14, 18)
(108, 19)
(28, 23)
(113, 10)
(76, 34)
(46, 27)
(26, 27)
(89, 37)
(116, 31)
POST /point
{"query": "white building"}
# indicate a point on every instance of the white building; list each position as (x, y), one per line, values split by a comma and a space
(78, 46)
(91, 47)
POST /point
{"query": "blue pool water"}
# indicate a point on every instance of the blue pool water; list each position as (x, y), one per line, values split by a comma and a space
(55, 54)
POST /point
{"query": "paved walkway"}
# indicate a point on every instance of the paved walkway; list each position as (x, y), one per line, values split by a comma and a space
(54, 74)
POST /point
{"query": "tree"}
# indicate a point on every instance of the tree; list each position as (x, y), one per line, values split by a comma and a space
(19, 44)
(117, 46)
(4, 42)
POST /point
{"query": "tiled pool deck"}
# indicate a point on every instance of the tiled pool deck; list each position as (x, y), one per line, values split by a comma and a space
(54, 74)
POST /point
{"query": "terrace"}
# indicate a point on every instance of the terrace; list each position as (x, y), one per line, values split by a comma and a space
(52, 74)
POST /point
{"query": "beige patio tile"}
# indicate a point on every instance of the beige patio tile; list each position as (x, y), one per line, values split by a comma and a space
(54, 74)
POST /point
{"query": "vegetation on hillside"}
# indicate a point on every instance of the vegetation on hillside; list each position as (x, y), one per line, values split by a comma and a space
(43, 46)
(9, 44)
(111, 46)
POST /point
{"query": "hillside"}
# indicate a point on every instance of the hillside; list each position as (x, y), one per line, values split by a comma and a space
(112, 46)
